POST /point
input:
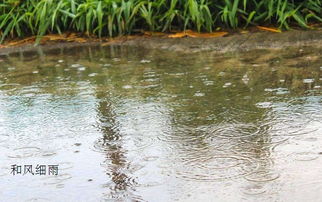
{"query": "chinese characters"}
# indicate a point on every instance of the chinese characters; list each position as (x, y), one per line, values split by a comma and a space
(34, 170)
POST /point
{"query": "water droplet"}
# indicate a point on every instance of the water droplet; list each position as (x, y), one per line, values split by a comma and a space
(245, 79)
(308, 80)
(60, 61)
(92, 74)
(199, 94)
(209, 83)
(81, 68)
(145, 61)
(264, 105)
(127, 87)
(269, 90)
(255, 189)
(76, 65)
(282, 91)
(226, 85)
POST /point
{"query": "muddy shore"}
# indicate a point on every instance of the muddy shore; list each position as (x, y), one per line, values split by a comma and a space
(231, 43)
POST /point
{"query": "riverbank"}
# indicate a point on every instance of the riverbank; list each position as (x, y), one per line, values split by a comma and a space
(229, 43)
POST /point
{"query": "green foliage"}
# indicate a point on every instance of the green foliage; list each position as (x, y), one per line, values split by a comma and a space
(19, 18)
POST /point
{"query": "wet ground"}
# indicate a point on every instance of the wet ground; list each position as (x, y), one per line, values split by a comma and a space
(232, 42)
(134, 124)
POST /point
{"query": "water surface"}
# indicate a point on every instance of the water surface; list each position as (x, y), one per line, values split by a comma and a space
(127, 124)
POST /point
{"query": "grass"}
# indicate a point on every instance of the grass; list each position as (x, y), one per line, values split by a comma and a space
(20, 18)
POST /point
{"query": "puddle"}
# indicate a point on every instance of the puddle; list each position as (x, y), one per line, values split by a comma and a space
(131, 124)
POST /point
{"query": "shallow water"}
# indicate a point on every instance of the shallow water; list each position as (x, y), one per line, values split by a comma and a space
(127, 124)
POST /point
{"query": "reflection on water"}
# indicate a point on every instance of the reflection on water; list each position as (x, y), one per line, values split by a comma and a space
(141, 125)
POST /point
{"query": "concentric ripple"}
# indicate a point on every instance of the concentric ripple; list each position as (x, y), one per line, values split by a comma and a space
(132, 124)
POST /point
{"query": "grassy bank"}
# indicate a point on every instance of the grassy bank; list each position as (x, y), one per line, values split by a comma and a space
(20, 18)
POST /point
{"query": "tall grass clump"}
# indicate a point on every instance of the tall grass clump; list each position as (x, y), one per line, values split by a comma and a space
(20, 18)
